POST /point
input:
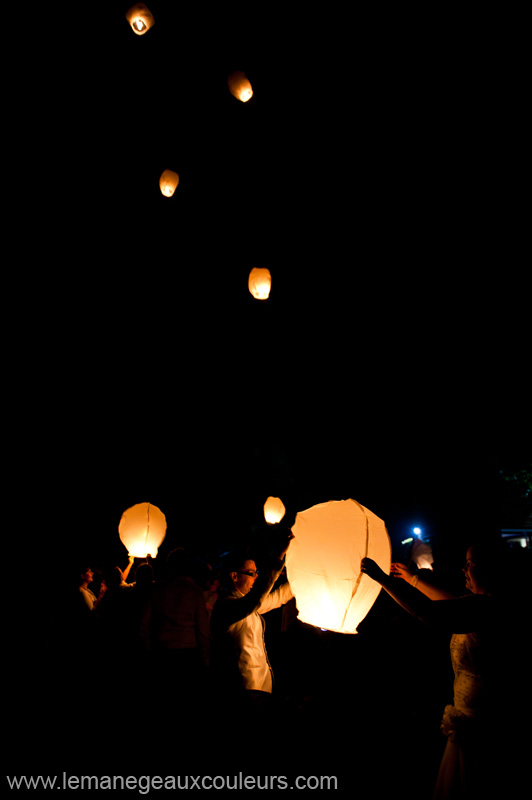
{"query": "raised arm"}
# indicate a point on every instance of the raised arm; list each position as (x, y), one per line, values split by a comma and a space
(127, 570)
(257, 599)
(276, 598)
(418, 581)
(231, 611)
(455, 615)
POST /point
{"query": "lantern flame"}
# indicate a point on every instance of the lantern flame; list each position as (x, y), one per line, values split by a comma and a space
(240, 87)
(140, 18)
(259, 283)
(274, 510)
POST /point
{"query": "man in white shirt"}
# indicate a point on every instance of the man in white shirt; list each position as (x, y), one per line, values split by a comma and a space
(237, 626)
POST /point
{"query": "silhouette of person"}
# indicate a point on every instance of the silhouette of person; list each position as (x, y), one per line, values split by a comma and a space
(244, 672)
(483, 632)
(137, 611)
(112, 614)
(179, 628)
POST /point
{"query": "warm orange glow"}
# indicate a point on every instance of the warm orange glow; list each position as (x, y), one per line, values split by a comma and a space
(274, 510)
(168, 182)
(323, 563)
(240, 87)
(140, 18)
(260, 282)
(142, 529)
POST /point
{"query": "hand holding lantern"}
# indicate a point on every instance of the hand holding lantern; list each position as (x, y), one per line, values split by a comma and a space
(401, 571)
(285, 544)
(370, 568)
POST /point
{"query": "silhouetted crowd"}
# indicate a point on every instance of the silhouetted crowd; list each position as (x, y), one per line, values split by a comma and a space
(165, 642)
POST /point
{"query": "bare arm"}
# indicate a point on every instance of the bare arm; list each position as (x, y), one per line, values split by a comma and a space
(419, 582)
(455, 615)
(127, 570)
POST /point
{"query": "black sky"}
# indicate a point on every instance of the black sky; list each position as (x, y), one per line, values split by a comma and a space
(377, 172)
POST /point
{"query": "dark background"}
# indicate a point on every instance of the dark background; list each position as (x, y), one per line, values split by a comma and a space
(378, 172)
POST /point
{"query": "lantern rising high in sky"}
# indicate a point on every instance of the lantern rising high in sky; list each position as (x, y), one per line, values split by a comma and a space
(140, 18)
(323, 563)
(274, 510)
(168, 182)
(142, 529)
(260, 283)
(239, 86)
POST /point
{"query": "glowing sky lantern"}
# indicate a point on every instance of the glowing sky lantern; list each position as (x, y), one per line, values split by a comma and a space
(168, 182)
(140, 18)
(239, 86)
(274, 510)
(260, 283)
(323, 563)
(142, 529)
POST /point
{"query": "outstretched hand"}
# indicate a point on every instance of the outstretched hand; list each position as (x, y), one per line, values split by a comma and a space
(372, 569)
(401, 571)
(285, 544)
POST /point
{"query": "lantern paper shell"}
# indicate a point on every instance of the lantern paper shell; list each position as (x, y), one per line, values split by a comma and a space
(323, 563)
(274, 510)
(422, 555)
(142, 529)
(260, 283)
(168, 182)
(140, 18)
(240, 87)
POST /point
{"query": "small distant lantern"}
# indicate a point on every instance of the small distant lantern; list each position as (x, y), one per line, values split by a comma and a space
(260, 283)
(140, 18)
(240, 87)
(274, 510)
(168, 182)
(142, 529)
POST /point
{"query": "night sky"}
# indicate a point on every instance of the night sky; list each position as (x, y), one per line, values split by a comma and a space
(377, 172)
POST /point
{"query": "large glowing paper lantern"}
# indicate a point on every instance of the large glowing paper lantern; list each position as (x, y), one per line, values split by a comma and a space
(142, 528)
(323, 563)
(274, 510)
(140, 18)
(168, 182)
(240, 87)
(260, 283)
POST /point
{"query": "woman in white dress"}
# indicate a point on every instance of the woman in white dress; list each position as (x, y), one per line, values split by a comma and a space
(483, 633)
